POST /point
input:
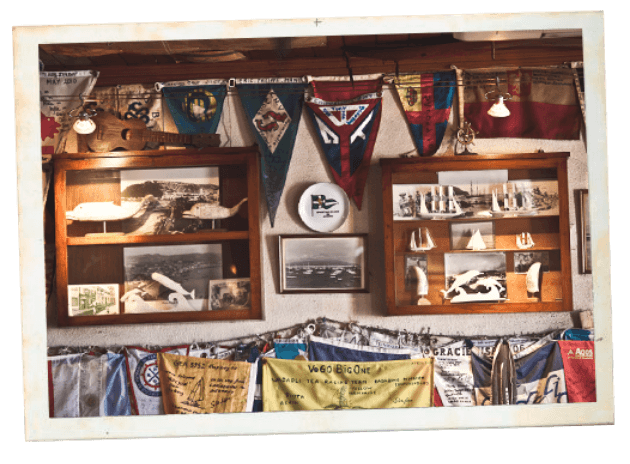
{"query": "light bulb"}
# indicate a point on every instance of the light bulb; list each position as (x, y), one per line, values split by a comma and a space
(84, 125)
(499, 110)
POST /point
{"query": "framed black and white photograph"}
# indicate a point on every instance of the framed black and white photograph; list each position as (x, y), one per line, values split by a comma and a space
(472, 235)
(173, 277)
(524, 259)
(585, 232)
(164, 196)
(230, 294)
(469, 276)
(93, 300)
(420, 261)
(323, 263)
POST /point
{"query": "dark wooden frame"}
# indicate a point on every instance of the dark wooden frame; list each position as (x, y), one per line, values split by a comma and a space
(281, 273)
(582, 207)
(526, 162)
(243, 162)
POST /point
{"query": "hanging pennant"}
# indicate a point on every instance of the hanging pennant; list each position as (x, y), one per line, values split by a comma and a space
(482, 359)
(196, 106)
(539, 374)
(543, 104)
(202, 386)
(578, 359)
(143, 373)
(60, 93)
(307, 385)
(427, 100)
(347, 116)
(273, 108)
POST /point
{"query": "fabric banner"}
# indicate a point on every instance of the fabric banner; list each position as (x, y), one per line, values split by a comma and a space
(290, 349)
(143, 373)
(540, 375)
(117, 398)
(77, 385)
(202, 386)
(274, 109)
(307, 385)
(578, 359)
(543, 104)
(60, 93)
(322, 349)
(482, 357)
(346, 116)
(427, 100)
(577, 334)
(454, 380)
(196, 106)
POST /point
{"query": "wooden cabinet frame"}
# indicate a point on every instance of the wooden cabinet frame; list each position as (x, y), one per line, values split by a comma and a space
(530, 162)
(245, 160)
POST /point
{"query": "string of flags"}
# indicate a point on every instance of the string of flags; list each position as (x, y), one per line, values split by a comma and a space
(346, 114)
(323, 365)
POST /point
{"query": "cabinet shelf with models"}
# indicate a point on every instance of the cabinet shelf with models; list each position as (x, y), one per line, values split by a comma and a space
(477, 234)
(158, 236)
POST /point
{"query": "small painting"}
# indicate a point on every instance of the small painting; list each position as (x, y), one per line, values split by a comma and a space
(472, 235)
(230, 294)
(93, 300)
(524, 259)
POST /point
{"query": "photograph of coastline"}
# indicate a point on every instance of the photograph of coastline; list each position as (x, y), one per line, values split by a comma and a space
(168, 193)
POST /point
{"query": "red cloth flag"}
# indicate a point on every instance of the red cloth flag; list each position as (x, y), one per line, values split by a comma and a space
(543, 104)
(578, 358)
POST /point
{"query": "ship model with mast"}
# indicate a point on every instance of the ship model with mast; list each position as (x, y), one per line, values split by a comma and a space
(440, 206)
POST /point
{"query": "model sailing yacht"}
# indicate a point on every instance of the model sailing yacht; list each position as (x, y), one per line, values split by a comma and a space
(510, 204)
(524, 241)
(445, 207)
(476, 242)
(420, 244)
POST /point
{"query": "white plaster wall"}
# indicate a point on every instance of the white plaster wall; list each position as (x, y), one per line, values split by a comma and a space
(308, 166)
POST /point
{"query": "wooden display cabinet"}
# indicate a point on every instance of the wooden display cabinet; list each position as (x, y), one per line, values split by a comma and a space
(160, 240)
(537, 203)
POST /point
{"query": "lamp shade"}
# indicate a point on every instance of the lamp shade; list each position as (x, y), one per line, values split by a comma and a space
(499, 110)
(84, 125)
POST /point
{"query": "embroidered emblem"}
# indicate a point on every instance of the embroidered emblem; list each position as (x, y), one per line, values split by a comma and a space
(271, 121)
(146, 376)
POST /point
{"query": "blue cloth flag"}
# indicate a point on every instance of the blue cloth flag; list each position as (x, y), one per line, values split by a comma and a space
(274, 109)
(196, 109)
(117, 401)
(321, 350)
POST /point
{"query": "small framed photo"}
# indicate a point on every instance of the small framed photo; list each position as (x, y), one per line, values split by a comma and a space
(93, 300)
(524, 259)
(323, 263)
(411, 261)
(586, 266)
(230, 294)
(472, 235)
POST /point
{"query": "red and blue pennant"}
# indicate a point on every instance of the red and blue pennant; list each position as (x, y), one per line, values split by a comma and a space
(196, 106)
(347, 116)
(273, 108)
(427, 100)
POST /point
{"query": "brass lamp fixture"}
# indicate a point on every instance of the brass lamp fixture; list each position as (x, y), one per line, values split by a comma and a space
(498, 110)
(84, 123)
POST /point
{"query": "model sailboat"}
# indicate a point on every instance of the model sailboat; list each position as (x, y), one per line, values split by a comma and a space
(420, 244)
(510, 203)
(524, 241)
(476, 242)
(446, 207)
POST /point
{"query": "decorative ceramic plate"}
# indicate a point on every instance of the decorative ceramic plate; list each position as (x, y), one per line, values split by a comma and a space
(324, 207)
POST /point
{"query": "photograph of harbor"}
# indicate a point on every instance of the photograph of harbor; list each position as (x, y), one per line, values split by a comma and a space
(163, 195)
(473, 276)
(325, 264)
(475, 194)
(174, 277)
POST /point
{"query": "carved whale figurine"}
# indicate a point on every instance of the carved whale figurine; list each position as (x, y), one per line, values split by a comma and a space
(211, 211)
(171, 284)
(460, 280)
(105, 211)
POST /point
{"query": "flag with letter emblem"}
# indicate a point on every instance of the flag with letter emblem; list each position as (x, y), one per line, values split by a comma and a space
(427, 100)
(346, 116)
(273, 107)
(543, 104)
(196, 106)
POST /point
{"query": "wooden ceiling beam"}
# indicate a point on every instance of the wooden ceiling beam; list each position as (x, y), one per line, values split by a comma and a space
(466, 55)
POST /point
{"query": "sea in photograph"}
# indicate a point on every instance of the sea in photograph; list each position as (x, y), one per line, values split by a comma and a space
(322, 277)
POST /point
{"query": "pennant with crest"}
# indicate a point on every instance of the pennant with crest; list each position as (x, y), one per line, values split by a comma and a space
(196, 106)
(346, 116)
(427, 100)
(273, 107)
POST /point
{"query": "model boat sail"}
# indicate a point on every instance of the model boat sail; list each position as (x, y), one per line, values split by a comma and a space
(476, 242)
(446, 207)
(420, 244)
(524, 241)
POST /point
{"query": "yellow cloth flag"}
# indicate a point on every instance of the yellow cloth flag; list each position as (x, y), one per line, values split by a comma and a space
(290, 385)
(199, 386)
